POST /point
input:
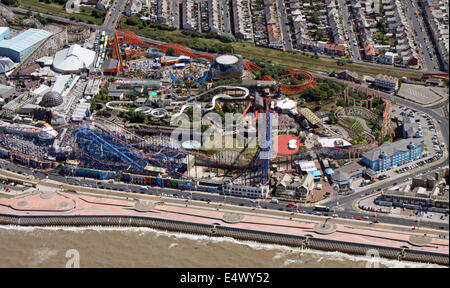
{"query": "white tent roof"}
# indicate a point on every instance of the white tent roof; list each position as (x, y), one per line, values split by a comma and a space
(46, 60)
(286, 104)
(41, 90)
(307, 166)
(6, 64)
(73, 59)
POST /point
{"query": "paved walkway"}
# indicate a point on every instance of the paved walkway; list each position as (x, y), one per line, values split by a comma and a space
(43, 203)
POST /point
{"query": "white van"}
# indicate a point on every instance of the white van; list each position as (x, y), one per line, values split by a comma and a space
(274, 201)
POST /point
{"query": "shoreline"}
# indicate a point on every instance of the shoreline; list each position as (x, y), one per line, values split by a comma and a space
(218, 231)
(78, 210)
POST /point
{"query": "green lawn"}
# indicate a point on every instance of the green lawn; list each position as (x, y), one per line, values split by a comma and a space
(59, 10)
(300, 61)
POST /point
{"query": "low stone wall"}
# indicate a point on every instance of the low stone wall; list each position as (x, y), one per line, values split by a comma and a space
(220, 231)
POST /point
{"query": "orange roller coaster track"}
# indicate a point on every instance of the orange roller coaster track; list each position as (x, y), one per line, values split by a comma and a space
(126, 36)
(439, 75)
(370, 93)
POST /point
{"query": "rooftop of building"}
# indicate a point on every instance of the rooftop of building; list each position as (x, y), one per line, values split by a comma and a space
(25, 39)
(386, 78)
(389, 149)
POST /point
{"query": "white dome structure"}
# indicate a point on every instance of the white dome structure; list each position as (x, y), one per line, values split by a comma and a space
(73, 59)
(6, 64)
(51, 99)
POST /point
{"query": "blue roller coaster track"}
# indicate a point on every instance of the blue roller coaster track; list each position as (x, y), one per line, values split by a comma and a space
(100, 145)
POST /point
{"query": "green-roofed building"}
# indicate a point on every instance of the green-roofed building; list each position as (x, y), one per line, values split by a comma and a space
(21, 46)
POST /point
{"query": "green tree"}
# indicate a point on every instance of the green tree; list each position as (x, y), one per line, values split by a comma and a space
(133, 20)
(14, 3)
(315, 18)
(170, 52)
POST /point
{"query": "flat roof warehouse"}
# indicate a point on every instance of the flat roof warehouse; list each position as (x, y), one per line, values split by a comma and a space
(22, 45)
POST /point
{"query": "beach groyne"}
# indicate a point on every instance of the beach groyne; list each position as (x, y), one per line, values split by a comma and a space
(216, 230)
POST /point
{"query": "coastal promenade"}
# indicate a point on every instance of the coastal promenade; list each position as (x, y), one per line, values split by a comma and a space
(45, 204)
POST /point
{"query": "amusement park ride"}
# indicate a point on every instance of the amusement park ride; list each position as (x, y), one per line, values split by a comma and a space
(100, 145)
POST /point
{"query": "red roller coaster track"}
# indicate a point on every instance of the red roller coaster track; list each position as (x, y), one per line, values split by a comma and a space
(440, 75)
(126, 36)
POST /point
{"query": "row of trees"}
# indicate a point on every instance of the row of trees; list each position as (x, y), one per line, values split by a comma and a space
(226, 38)
(195, 40)
(134, 117)
(13, 3)
(275, 71)
(61, 2)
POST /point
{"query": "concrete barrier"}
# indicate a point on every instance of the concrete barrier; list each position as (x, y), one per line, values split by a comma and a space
(221, 231)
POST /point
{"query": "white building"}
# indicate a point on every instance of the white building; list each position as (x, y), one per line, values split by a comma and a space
(246, 191)
(72, 59)
(333, 142)
(286, 105)
(307, 166)
(386, 82)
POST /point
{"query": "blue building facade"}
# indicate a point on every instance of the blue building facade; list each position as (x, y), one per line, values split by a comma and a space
(391, 155)
(3, 153)
(93, 173)
(21, 46)
(227, 67)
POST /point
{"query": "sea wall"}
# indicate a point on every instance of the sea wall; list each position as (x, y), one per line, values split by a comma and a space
(220, 231)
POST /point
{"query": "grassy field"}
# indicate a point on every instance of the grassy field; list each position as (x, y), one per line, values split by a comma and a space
(210, 45)
(59, 10)
(299, 61)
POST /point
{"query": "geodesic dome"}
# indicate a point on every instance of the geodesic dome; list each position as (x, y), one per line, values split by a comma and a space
(51, 99)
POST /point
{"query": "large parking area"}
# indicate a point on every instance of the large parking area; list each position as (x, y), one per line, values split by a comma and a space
(426, 127)
(421, 94)
(433, 146)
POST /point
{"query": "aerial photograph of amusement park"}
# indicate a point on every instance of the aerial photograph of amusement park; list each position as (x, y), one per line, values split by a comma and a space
(224, 134)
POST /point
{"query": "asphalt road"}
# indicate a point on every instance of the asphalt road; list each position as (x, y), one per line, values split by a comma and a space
(287, 41)
(422, 37)
(175, 193)
(348, 27)
(109, 25)
(225, 16)
(175, 14)
(113, 16)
